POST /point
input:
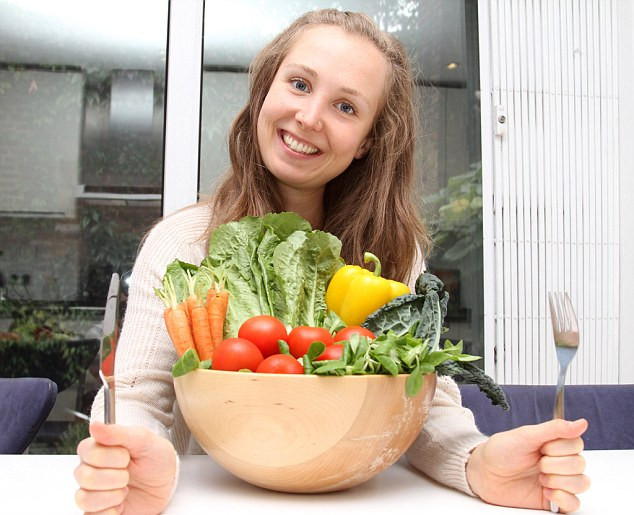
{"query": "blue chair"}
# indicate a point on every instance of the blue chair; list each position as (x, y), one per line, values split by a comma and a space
(609, 410)
(25, 403)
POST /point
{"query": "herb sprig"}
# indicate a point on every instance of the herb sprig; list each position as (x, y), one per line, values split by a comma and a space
(389, 353)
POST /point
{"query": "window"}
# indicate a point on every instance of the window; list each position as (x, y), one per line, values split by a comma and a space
(81, 164)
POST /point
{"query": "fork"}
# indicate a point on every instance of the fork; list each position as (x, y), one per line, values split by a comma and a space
(566, 336)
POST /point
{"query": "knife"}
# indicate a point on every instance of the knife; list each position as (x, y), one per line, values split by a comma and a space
(108, 348)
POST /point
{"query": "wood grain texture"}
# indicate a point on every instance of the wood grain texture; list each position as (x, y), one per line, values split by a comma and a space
(296, 433)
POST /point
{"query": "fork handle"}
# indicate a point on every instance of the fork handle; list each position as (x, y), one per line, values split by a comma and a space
(558, 412)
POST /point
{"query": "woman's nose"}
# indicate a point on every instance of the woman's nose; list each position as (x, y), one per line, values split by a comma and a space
(310, 118)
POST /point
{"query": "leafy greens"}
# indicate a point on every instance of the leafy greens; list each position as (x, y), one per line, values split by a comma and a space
(274, 265)
(421, 316)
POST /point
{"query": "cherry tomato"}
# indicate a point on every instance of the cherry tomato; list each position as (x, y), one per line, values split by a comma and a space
(280, 364)
(300, 338)
(236, 354)
(347, 332)
(264, 331)
(334, 351)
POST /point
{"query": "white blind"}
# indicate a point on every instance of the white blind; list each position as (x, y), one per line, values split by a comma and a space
(551, 183)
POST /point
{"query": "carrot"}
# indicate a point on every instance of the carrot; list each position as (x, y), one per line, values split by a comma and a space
(217, 302)
(202, 334)
(176, 319)
(199, 320)
(180, 334)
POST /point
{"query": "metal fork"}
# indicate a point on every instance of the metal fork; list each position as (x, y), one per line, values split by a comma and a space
(566, 336)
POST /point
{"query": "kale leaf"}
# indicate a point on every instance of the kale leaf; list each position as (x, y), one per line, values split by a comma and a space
(422, 314)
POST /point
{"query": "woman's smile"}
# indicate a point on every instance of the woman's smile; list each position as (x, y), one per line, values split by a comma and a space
(297, 145)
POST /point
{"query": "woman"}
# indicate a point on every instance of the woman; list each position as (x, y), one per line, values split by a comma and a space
(328, 132)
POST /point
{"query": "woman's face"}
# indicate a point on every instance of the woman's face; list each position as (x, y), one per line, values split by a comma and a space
(320, 108)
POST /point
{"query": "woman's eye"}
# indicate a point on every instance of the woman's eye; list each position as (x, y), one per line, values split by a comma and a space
(299, 85)
(346, 108)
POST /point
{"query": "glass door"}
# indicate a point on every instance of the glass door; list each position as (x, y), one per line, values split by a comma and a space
(82, 90)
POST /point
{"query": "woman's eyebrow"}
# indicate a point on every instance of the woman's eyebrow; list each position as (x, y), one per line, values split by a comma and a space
(344, 89)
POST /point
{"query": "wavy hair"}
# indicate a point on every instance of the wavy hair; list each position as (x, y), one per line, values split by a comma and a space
(370, 206)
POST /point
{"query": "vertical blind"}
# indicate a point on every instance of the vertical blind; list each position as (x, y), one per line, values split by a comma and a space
(551, 185)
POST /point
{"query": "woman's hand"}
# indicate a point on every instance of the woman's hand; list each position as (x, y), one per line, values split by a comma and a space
(530, 466)
(124, 469)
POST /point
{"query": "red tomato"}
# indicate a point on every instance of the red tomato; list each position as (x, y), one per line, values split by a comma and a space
(347, 332)
(264, 331)
(334, 351)
(300, 338)
(280, 364)
(236, 354)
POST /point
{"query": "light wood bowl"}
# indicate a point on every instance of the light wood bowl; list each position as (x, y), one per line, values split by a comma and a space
(302, 433)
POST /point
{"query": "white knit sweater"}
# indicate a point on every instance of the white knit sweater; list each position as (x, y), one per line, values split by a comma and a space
(145, 355)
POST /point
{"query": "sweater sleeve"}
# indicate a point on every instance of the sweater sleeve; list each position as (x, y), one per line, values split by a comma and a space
(144, 387)
(449, 434)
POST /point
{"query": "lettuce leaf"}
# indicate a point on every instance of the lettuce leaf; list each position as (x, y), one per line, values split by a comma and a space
(274, 265)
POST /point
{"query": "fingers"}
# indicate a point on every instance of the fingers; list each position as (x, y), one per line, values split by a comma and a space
(93, 453)
(563, 447)
(539, 434)
(563, 465)
(566, 501)
(562, 474)
(93, 478)
(108, 502)
(102, 475)
(572, 484)
(137, 440)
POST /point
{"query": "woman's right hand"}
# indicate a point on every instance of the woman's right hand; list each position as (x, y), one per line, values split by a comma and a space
(124, 469)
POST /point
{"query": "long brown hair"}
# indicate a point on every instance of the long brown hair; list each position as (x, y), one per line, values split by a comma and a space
(370, 206)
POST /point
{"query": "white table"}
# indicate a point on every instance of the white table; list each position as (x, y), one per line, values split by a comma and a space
(37, 484)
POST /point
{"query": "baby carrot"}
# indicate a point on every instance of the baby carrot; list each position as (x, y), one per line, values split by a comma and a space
(202, 334)
(217, 302)
(176, 319)
(199, 320)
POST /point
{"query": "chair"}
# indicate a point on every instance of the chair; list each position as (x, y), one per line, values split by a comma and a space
(609, 410)
(25, 403)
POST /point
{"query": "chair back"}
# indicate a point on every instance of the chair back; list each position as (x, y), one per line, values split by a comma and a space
(25, 403)
(609, 410)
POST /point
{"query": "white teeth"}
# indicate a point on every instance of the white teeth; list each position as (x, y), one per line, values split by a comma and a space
(297, 146)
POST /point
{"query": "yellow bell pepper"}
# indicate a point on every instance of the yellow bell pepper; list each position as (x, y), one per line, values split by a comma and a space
(355, 292)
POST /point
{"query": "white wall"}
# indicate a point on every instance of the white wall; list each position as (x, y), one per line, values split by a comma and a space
(626, 130)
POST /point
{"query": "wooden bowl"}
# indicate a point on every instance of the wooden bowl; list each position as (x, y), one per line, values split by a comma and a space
(302, 433)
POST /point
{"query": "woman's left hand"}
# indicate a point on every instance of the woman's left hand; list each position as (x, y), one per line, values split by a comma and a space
(530, 466)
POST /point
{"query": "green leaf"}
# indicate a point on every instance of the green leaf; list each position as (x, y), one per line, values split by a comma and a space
(330, 366)
(283, 347)
(389, 364)
(315, 350)
(414, 382)
(468, 372)
(187, 362)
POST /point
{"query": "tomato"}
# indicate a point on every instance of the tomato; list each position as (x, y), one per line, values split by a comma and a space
(280, 364)
(347, 332)
(300, 338)
(236, 354)
(264, 331)
(334, 351)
